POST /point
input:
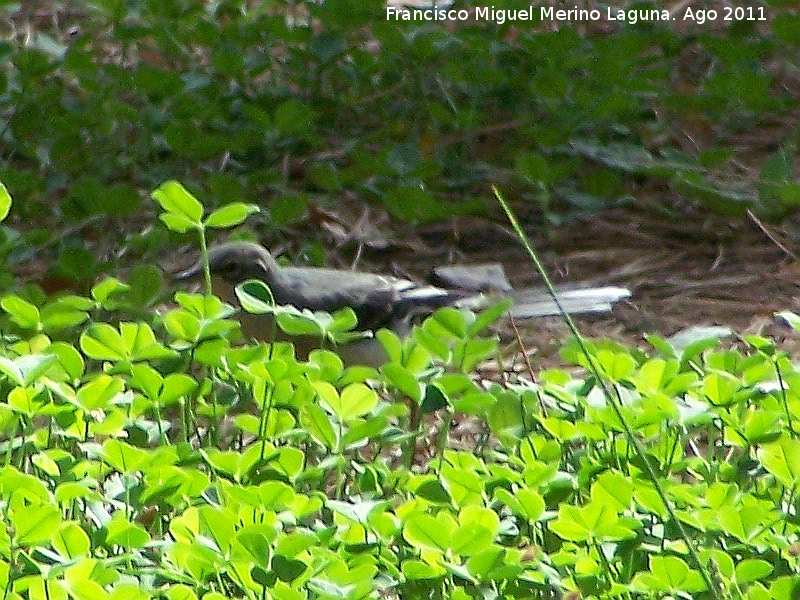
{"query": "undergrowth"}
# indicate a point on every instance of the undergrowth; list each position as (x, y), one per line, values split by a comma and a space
(153, 457)
(307, 105)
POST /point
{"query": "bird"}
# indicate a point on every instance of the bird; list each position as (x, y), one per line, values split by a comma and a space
(379, 301)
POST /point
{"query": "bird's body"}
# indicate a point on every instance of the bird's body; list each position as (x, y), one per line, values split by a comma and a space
(378, 300)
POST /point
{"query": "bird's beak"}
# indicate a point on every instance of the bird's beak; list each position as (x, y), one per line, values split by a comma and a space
(189, 274)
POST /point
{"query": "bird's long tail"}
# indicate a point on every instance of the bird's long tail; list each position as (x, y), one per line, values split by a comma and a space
(530, 303)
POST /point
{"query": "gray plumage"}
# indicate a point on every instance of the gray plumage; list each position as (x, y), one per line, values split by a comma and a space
(381, 300)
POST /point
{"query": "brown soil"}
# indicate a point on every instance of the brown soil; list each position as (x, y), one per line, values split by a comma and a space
(686, 269)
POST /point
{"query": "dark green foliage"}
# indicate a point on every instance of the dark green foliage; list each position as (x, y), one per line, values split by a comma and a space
(413, 116)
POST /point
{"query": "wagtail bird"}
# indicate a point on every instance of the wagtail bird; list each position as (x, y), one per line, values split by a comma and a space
(378, 300)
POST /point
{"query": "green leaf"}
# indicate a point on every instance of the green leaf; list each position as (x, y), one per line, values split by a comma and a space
(68, 491)
(478, 527)
(619, 155)
(102, 342)
(220, 525)
(133, 341)
(176, 386)
(404, 159)
(5, 202)
(485, 563)
(534, 167)
(295, 322)
(426, 532)
(98, 393)
(183, 325)
(46, 464)
(14, 484)
(106, 288)
(230, 215)
(786, 28)
(23, 400)
(179, 592)
(391, 344)
(177, 223)
(70, 541)
(453, 321)
(233, 464)
(431, 342)
(782, 459)
(775, 171)
(291, 544)
(80, 581)
(414, 204)
(121, 199)
(613, 489)
(358, 511)
(294, 118)
(434, 399)
(762, 427)
(147, 379)
(177, 201)
(417, 569)
(525, 502)
(24, 370)
(21, 312)
(464, 485)
(364, 429)
(720, 387)
(469, 353)
(488, 316)
(356, 400)
(289, 209)
(721, 561)
(123, 457)
(34, 525)
(403, 380)
(344, 320)
(669, 574)
(56, 316)
(752, 569)
(122, 532)
(664, 348)
(257, 540)
(725, 201)
(316, 424)
(616, 365)
(255, 297)
(327, 393)
(433, 491)
(146, 283)
(595, 521)
(471, 539)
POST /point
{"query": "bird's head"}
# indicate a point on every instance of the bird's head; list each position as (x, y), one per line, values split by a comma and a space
(234, 262)
(238, 261)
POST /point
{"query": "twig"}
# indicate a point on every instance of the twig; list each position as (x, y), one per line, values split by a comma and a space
(767, 233)
(527, 360)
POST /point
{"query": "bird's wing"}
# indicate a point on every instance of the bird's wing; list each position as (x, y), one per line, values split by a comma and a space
(378, 300)
(488, 277)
